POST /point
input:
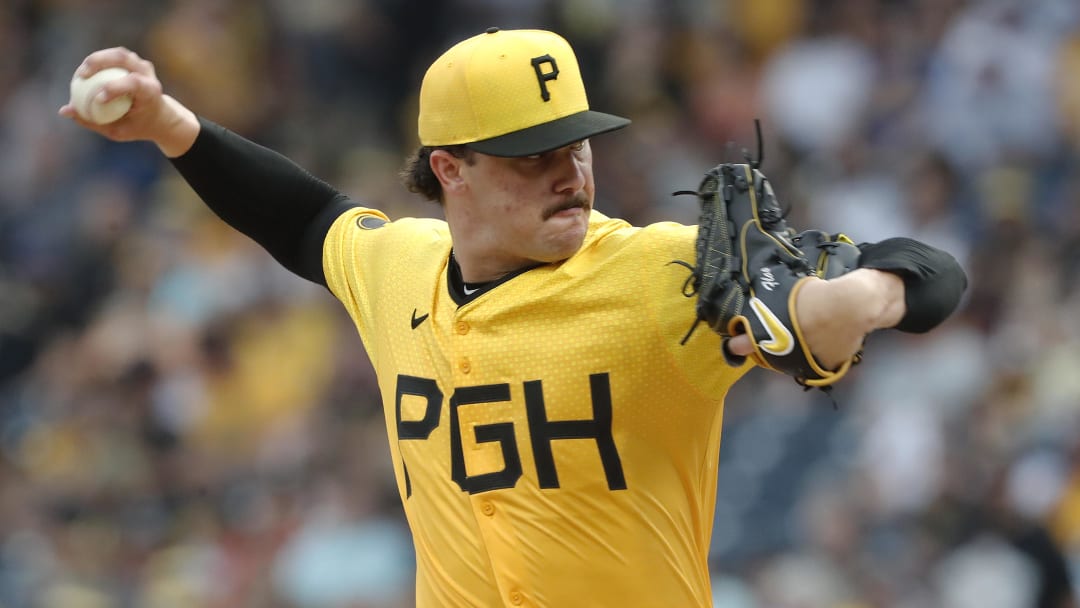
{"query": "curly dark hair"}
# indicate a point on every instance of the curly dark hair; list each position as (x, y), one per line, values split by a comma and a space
(418, 176)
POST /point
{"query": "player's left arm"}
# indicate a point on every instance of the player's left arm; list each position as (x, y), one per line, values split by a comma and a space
(899, 283)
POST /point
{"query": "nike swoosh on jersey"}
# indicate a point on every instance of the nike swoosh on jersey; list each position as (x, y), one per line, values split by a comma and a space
(780, 340)
(468, 291)
(416, 321)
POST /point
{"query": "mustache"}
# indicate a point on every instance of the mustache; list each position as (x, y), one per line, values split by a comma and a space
(579, 199)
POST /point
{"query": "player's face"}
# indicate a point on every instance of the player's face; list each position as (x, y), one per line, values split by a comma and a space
(535, 208)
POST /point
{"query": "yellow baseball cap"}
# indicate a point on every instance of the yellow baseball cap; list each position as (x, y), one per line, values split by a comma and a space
(508, 93)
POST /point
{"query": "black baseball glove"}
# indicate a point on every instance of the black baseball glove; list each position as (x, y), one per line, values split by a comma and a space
(830, 255)
(750, 266)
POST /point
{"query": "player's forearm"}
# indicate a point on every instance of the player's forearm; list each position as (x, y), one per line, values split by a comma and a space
(836, 315)
(901, 283)
(262, 194)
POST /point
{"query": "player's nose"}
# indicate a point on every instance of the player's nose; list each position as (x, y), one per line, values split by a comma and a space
(571, 172)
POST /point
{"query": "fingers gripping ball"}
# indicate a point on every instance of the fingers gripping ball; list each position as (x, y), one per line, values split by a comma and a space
(84, 97)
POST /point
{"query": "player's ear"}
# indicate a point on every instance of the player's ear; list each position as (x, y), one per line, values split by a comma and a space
(447, 169)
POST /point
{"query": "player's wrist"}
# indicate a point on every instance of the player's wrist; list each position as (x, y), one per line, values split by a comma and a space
(886, 305)
(179, 128)
(933, 280)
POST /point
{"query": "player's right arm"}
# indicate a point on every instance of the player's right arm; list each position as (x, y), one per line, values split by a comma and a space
(252, 188)
(154, 116)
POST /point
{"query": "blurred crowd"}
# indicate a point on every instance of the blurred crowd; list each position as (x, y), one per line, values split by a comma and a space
(184, 423)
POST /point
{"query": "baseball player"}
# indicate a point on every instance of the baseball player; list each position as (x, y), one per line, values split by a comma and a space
(554, 437)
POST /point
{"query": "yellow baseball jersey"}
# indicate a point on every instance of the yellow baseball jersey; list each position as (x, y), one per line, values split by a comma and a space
(553, 442)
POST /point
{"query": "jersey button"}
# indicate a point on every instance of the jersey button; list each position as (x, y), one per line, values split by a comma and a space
(487, 509)
(516, 598)
(462, 328)
(465, 366)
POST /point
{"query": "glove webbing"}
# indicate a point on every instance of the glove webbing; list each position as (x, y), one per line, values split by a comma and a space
(713, 239)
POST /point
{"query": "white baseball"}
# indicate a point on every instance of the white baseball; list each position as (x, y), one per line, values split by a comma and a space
(84, 97)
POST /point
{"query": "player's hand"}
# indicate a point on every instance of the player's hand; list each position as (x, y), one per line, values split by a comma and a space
(153, 116)
(869, 299)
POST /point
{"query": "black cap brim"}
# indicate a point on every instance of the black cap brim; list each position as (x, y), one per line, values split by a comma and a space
(550, 135)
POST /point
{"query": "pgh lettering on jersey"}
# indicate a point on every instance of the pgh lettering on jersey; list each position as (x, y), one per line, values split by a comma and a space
(548, 416)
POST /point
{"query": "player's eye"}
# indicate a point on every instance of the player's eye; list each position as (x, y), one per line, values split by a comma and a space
(575, 147)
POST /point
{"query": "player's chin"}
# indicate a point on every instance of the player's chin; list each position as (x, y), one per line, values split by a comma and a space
(565, 241)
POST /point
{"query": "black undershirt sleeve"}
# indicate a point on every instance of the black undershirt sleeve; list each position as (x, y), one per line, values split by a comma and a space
(264, 195)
